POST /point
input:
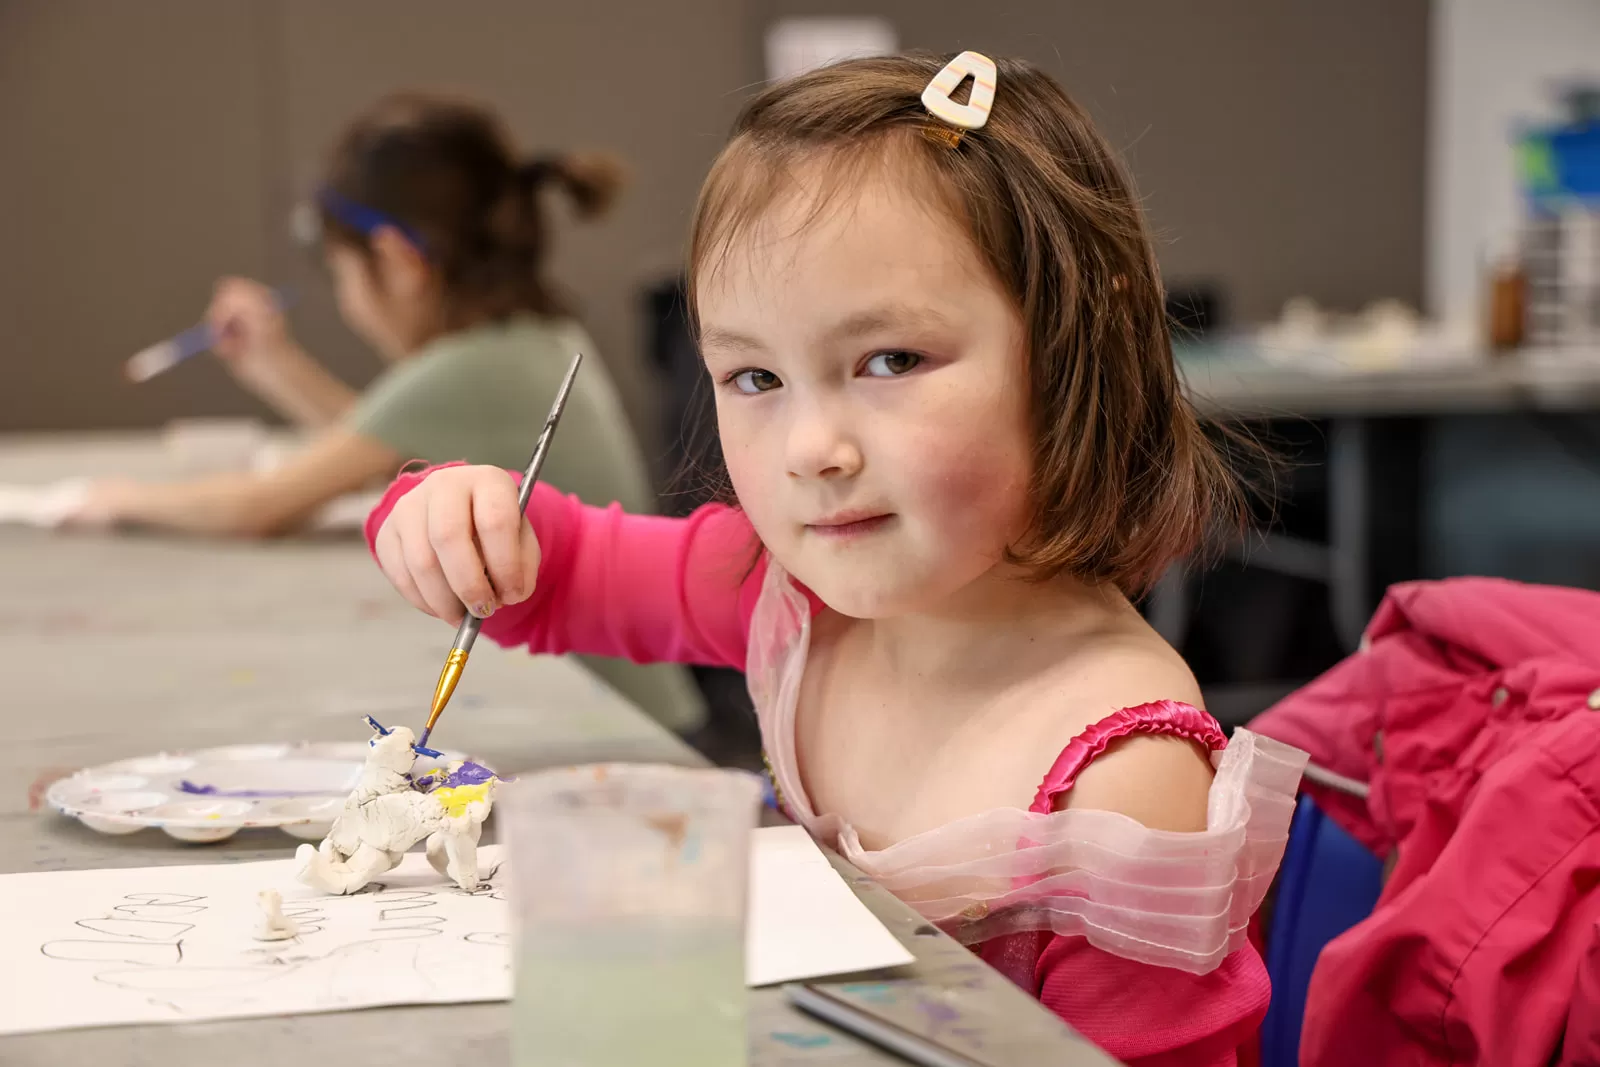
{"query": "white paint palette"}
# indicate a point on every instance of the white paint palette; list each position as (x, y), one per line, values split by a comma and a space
(211, 794)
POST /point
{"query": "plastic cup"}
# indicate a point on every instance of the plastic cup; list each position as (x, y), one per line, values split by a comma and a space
(628, 886)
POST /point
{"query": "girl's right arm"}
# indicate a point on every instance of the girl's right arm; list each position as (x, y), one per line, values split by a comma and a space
(253, 342)
(568, 577)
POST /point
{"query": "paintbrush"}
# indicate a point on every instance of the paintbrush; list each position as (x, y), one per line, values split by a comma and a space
(164, 355)
(827, 1005)
(456, 661)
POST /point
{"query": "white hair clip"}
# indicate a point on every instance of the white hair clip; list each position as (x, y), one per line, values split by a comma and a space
(975, 112)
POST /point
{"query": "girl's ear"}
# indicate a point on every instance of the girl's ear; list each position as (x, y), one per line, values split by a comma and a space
(401, 267)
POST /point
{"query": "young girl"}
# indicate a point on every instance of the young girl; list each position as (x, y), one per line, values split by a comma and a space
(957, 445)
(434, 232)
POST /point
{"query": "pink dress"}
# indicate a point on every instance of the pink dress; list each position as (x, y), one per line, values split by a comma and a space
(1136, 937)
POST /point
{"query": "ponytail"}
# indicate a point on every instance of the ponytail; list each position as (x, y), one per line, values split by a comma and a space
(444, 170)
(592, 180)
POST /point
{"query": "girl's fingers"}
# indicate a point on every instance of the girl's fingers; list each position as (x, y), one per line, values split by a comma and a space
(498, 525)
(391, 560)
(450, 535)
(423, 565)
(528, 556)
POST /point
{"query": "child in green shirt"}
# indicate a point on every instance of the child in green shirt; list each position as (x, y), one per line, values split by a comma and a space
(433, 231)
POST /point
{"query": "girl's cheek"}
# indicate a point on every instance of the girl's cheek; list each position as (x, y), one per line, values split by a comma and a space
(970, 475)
(753, 473)
(971, 470)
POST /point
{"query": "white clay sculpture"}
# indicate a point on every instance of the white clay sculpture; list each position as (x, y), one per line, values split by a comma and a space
(388, 812)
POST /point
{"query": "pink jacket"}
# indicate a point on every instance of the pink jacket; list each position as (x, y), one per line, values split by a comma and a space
(1471, 711)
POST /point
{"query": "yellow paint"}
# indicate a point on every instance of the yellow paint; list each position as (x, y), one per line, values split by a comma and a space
(456, 798)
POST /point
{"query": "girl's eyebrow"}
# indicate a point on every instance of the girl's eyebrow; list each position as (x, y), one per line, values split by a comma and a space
(857, 324)
(886, 317)
(728, 340)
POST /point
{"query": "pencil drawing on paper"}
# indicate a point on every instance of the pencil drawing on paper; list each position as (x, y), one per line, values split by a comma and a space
(154, 955)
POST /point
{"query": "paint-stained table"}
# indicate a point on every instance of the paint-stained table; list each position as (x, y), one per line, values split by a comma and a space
(112, 647)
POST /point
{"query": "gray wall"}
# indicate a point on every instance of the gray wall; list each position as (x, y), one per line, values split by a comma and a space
(1279, 146)
(149, 146)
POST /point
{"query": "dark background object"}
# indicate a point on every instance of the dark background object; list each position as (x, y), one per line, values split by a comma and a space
(1193, 310)
(689, 460)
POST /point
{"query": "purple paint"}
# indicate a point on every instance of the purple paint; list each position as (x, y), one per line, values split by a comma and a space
(468, 773)
(187, 786)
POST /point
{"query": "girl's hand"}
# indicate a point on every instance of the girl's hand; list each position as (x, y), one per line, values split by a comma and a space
(102, 504)
(458, 539)
(252, 336)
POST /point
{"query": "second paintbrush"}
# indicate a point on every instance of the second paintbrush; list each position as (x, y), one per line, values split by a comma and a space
(456, 661)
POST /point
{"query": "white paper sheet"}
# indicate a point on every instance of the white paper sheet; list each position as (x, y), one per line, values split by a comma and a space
(41, 505)
(175, 944)
(804, 921)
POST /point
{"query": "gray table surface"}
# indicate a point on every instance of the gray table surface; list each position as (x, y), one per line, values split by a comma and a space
(1231, 377)
(113, 647)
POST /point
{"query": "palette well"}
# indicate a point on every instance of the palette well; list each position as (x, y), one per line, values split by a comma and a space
(211, 794)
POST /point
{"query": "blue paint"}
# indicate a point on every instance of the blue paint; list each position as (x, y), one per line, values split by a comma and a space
(801, 1040)
(419, 747)
(872, 992)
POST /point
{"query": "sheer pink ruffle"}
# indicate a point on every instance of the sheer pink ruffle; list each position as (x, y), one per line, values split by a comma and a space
(1178, 900)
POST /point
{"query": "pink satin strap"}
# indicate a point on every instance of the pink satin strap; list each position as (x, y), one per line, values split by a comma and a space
(1168, 718)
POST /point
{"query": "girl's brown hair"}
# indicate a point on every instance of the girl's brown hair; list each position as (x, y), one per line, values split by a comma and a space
(1124, 478)
(444, 169)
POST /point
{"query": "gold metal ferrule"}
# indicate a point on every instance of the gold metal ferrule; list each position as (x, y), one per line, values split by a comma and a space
(453, 666)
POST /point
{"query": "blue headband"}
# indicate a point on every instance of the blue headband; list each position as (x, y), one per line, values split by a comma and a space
(364, 219)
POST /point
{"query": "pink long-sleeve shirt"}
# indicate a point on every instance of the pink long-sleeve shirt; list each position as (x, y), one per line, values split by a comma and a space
(683, 590)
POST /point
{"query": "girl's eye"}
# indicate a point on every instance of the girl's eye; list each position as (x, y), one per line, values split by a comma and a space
(755, 381)
(890, 364)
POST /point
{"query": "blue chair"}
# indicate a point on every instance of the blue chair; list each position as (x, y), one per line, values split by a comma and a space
(1327, 883)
